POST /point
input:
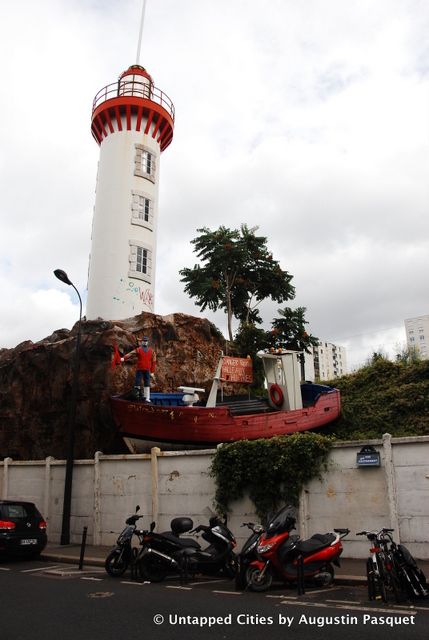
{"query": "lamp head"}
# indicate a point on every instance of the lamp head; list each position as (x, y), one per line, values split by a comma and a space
(61, 275)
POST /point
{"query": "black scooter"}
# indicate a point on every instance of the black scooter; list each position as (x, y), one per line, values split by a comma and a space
(124, 554)
(247, 554)
(168, 553)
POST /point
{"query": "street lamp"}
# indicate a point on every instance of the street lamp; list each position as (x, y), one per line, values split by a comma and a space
(65, 527)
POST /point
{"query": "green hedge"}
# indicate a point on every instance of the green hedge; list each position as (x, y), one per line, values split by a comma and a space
(382, 397)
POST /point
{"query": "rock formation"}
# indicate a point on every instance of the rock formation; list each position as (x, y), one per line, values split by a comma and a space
(36, 381)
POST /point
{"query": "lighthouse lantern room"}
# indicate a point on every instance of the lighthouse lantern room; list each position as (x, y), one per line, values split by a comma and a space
(133, 123)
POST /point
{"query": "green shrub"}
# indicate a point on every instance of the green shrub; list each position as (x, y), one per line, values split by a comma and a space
(383, 397)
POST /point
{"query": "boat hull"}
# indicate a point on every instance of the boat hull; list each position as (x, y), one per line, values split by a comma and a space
(145, 425)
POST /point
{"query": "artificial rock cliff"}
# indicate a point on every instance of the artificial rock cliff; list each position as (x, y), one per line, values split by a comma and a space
(36, 381)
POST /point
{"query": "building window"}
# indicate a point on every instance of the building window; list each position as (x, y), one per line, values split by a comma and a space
(144, 163)
(140, 262)
(141, 209)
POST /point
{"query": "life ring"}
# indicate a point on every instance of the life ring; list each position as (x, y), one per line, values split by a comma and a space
(276, 395)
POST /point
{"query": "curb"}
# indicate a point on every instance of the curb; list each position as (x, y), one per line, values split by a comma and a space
(344, 580)
(57, 557)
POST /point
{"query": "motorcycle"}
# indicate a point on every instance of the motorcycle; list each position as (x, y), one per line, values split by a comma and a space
(288, 558)
(247, 554)
(165, 553)
(124, 554)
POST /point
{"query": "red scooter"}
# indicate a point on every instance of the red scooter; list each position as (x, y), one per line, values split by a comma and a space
(288, 558)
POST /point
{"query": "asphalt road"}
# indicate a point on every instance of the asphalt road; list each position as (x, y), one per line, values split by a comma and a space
(59, 602)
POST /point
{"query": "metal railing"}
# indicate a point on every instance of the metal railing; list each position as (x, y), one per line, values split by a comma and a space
(134, 88)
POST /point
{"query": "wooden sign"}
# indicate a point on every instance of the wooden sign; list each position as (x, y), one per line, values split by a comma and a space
(236, 370)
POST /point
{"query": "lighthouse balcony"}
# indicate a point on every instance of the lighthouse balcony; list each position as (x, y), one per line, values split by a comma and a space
(136, 89)
(133, 104)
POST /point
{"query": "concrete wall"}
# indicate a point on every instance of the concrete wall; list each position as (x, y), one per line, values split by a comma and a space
(166, 484)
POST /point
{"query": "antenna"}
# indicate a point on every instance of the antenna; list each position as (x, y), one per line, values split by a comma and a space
(139, 45)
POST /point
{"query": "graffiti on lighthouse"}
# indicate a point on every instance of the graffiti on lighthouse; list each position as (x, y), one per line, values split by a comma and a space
(141, 295)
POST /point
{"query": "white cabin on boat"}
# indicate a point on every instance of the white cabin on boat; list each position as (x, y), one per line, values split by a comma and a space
(283, 376)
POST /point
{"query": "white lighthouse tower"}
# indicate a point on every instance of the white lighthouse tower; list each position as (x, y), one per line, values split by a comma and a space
(133, 122)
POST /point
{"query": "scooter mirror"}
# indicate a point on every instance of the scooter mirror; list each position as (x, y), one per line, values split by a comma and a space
(152, 526)
(137, 508)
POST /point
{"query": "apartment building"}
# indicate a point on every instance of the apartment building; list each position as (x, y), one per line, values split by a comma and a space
(327, 361)
(417, 330)
(330, 361)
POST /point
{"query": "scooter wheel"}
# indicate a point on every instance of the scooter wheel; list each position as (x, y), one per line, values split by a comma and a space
(325, 577)
(230, 568)
(115, 563)
(258, 580)
(152, 569)
(240, 577)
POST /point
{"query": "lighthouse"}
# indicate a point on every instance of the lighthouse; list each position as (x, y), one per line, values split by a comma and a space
(132, 121)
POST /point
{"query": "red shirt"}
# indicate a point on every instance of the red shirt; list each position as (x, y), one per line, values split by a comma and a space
(146, 359)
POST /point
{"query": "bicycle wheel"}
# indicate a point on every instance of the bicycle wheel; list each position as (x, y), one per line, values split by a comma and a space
(380, 581)
(415, 582)
(370, 579)
(393, 585)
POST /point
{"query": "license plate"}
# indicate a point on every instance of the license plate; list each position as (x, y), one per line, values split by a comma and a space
(29, 541)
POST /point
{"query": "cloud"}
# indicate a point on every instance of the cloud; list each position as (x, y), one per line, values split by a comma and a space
(26, 314)
(307, 119)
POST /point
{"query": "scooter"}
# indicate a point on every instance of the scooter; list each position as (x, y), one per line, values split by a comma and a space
(247, 554)
(165, 553)
(124, 554)
(288, 558)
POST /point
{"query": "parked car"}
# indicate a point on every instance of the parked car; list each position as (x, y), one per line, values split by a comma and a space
(22, 529)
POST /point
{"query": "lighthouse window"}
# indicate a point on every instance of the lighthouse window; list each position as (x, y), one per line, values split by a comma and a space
(144, 163)
(142, 209)
(147, 162)
(140, 262)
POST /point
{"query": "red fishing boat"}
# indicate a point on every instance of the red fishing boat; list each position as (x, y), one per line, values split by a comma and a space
(183, 421)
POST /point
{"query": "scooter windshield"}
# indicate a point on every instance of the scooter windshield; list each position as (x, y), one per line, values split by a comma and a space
(126, 534)
(283, 520)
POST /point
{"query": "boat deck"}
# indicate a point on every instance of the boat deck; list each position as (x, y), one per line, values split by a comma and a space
(246, 407)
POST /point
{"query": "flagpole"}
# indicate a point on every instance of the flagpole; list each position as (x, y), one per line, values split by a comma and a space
(139, 45)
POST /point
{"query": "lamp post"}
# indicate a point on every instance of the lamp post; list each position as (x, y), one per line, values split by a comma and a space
(65, 527)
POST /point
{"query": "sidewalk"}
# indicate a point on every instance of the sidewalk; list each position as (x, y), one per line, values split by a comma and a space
(70, 554)
(352, 571)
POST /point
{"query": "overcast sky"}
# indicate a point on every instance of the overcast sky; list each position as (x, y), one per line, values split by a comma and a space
(308, 118)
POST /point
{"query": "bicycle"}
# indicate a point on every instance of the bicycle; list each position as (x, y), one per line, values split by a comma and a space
(413, 580)
(381, 567)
